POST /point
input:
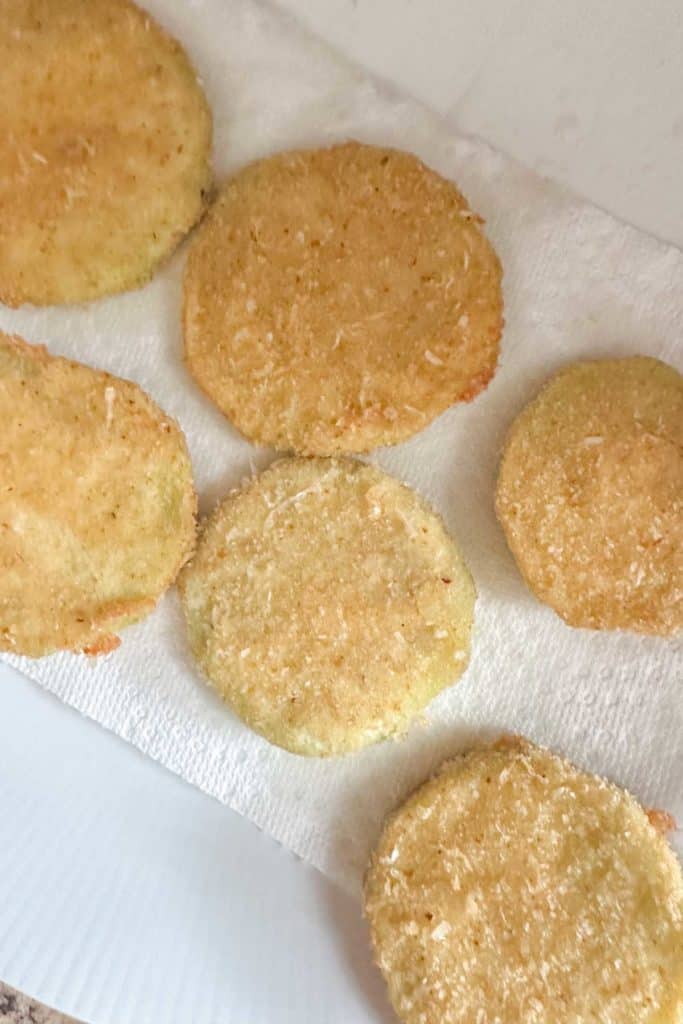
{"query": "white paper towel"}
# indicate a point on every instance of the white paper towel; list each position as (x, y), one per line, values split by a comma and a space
(577, 284)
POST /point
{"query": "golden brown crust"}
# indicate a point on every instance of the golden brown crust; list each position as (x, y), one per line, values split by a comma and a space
(661, 820)
(97, 505)
(105, 140)
(103, 645)
(515, 888)
(339, 299)
(327, 604)
(590, 495)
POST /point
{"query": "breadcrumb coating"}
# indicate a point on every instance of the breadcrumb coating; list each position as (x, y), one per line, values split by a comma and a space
(516, 888)
(327, 605)
(97, 504)
(590, 495)
(105, 139)
(339, 299)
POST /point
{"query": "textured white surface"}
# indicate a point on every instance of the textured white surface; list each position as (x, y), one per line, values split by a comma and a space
(128, 897)
(577, 283)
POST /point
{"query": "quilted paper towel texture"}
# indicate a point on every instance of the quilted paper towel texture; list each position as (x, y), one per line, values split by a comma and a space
(577, 284)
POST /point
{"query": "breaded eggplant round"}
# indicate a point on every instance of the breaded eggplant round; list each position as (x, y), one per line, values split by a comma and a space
(340, 299)
(97, 504)
(590, 495)
(516, 888)
(327, 604)
(105, 139)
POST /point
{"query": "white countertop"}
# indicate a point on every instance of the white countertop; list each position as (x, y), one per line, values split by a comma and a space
(590, 94)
